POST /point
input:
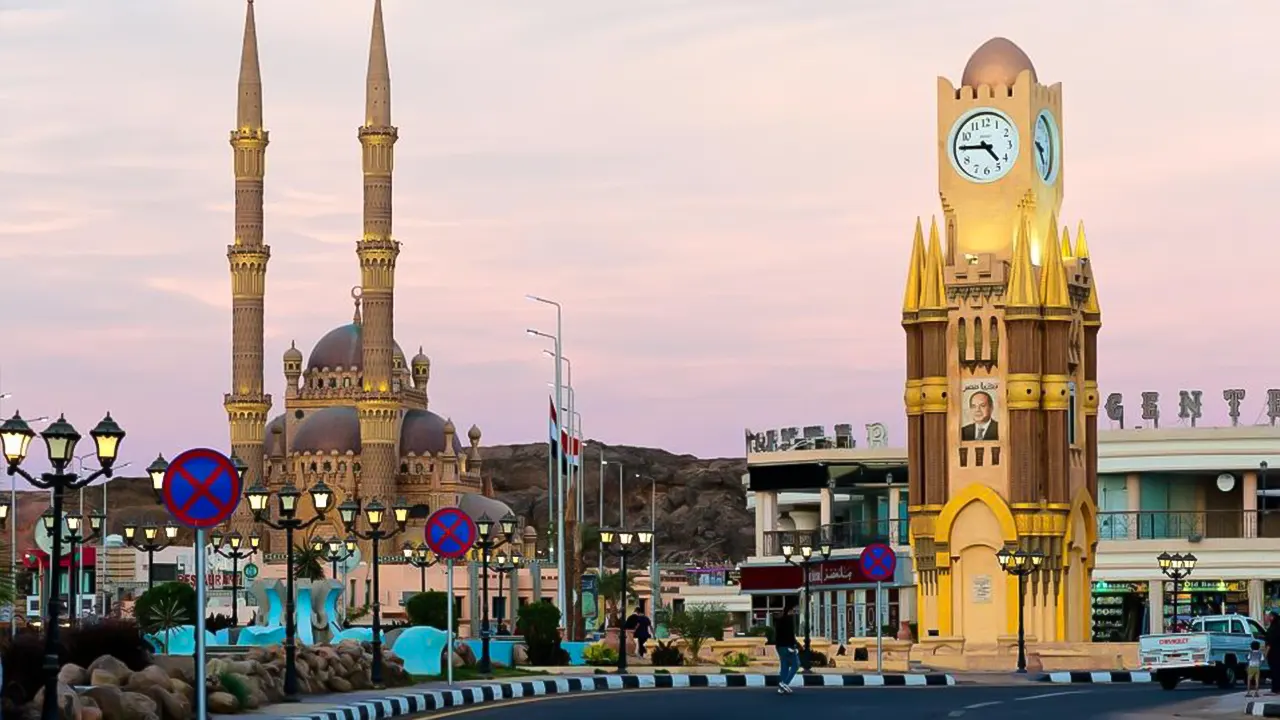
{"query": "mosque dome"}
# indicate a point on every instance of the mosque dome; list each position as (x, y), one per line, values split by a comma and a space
(997, 62)
(422, 433)
(331, 429)
(342, 347)
(293, 354)
(478, 506)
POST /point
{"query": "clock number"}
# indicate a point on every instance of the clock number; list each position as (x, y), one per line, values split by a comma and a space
(1006, 132)
(987, 170)
(965, 136)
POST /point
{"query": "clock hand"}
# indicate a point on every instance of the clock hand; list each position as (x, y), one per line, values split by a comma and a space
(981, 146)
(987, 146)
(1040, 149)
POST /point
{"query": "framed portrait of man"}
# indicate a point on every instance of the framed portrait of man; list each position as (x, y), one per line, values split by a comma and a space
(981, 410)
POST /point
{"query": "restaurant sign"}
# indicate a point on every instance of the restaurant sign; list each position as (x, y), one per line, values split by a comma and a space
(831, 574)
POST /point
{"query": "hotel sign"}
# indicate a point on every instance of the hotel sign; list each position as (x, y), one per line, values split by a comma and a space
(1190, 406)
(813, 437)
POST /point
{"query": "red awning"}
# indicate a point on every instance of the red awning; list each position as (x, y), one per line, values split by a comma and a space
(37, 558)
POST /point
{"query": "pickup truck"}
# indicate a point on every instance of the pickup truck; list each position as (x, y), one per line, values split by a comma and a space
(1215, 649)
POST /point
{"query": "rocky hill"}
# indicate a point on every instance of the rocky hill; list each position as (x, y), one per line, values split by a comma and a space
(701, 504)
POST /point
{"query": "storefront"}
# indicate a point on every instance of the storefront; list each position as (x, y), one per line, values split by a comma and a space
(1120, 611)
(1204, 597)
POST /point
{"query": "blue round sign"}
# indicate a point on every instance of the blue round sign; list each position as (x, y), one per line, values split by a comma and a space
(201, 488)
(878, 562)
(450, 533)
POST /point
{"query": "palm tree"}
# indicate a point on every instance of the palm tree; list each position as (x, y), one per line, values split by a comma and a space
(610, 588)
(308, 562)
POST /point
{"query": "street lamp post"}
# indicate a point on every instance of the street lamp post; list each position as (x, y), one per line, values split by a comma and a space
(422, 558)
(561, 579)
(335, 551)
(374, 513)
(506, 563)
(486, 542)
(150, 544)
(77, 539)
(803, 557)
(13, 537)
(287, 504)
(60, 440)
(229, 546)
(623, 544)
(1176, 567)
(1020, 564)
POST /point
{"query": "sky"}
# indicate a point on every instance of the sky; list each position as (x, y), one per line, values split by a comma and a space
(721, 193)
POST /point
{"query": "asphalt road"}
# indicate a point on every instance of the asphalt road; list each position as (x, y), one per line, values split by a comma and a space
(1026, 701)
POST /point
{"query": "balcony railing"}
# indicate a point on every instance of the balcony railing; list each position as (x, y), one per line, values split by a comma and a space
(842, 536)
(1188, 525)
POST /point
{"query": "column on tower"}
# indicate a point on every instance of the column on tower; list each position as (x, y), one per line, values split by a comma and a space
(932, 319)
(378, 406)
(1022, 329)
(1092, 323)
(1056, 380)
(921, 515)
(247, 404)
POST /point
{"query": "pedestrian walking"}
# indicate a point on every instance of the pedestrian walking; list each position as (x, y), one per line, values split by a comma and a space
(784, 641)
(1253, 680)
(641, 628)
(1273, 652)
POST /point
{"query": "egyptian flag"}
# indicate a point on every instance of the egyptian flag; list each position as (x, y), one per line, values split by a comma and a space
(572, 449)
(555, 438)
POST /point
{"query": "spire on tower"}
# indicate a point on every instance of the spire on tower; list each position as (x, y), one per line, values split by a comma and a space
(933, 292)
(911, 299)
(1066, 243)
(1053, 273)
(378, 83)
(1022, 274)
(1082, 251)
(1082, 247)
(249, 107)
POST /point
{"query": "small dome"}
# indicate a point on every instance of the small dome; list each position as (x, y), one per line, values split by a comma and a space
(328, 430)
(477, 506)
(474, 433)
(420, 360)
(276, 425)
(293, 354)
(422, 433)
(342, 347)
(997, 62)
(530, 533)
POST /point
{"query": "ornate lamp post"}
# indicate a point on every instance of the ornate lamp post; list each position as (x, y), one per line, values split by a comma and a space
(374, 513)
(624, 544)
(60, 440)
(150, 543)
(229, 546)
(77, 538)
(156, 471)
(1176, 567)
(422, 558)
(505, 564)
(287, 505)
(335, 551)
(486, 542)
(1020, 564)
(803, 557)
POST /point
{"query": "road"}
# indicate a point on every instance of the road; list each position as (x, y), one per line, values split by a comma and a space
(977, 702)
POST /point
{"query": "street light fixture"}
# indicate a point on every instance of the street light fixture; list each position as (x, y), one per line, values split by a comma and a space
(421, 557)
(562, 593)
(374, 513)
(486, 542)
(149, 543)
(504, 564)
(1020, 564)
(60, 440)
(231, 547)
(77, 538)
(1176, 567)
(287, 508)
(623, 544)
(803, 557)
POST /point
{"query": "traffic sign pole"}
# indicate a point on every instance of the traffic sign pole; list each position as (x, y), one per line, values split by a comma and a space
(448, 656)
(879, 627)
(201, 689)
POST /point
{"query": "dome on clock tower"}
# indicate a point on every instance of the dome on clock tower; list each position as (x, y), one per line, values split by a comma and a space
(997, 62)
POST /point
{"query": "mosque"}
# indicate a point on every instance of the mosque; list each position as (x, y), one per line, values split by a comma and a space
(356, 413)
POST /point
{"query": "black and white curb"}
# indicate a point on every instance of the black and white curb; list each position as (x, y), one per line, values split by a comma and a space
(1263, 709)
(412, 703)
(1115, 676)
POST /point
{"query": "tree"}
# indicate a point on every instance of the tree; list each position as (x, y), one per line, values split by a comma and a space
(610, 588)
(698, 624)
(308, 563)
(430, 608)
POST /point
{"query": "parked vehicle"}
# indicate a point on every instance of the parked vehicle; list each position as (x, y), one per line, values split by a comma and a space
(1215, 649)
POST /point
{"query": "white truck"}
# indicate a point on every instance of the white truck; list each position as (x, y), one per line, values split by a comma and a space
(1215, 649)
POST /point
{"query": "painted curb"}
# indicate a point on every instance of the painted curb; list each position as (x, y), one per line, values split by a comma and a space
(1263, 709)
(413, 703)
(1115, 676)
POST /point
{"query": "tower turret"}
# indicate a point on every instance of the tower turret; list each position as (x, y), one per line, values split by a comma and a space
(379, 406)
(247, 405)
(292, 370)
(421, 366)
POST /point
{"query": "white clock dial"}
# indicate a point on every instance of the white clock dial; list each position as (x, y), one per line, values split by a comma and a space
(983, 145)
(1047, 148)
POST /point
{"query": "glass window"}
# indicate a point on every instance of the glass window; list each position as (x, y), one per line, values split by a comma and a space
(1255, 628)
(1213, 626)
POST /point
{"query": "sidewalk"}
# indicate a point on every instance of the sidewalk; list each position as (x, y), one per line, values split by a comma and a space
(436, 695)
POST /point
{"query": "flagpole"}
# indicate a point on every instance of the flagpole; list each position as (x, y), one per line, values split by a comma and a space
(560, 566)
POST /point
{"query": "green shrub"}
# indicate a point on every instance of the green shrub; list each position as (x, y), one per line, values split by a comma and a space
(236, 687)
(121, 639)
(666, 653)
(599, 654)
(165, 607)
(735, 660)
(430, 609)
(698, 624)
(539, 623)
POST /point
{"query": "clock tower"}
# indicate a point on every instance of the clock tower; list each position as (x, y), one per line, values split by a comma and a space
(1001, 318)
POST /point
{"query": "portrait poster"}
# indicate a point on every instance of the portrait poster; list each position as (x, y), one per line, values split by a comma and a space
(981, 410)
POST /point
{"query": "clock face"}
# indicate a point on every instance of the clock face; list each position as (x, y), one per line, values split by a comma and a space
(1047, 147)
(983, 145)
